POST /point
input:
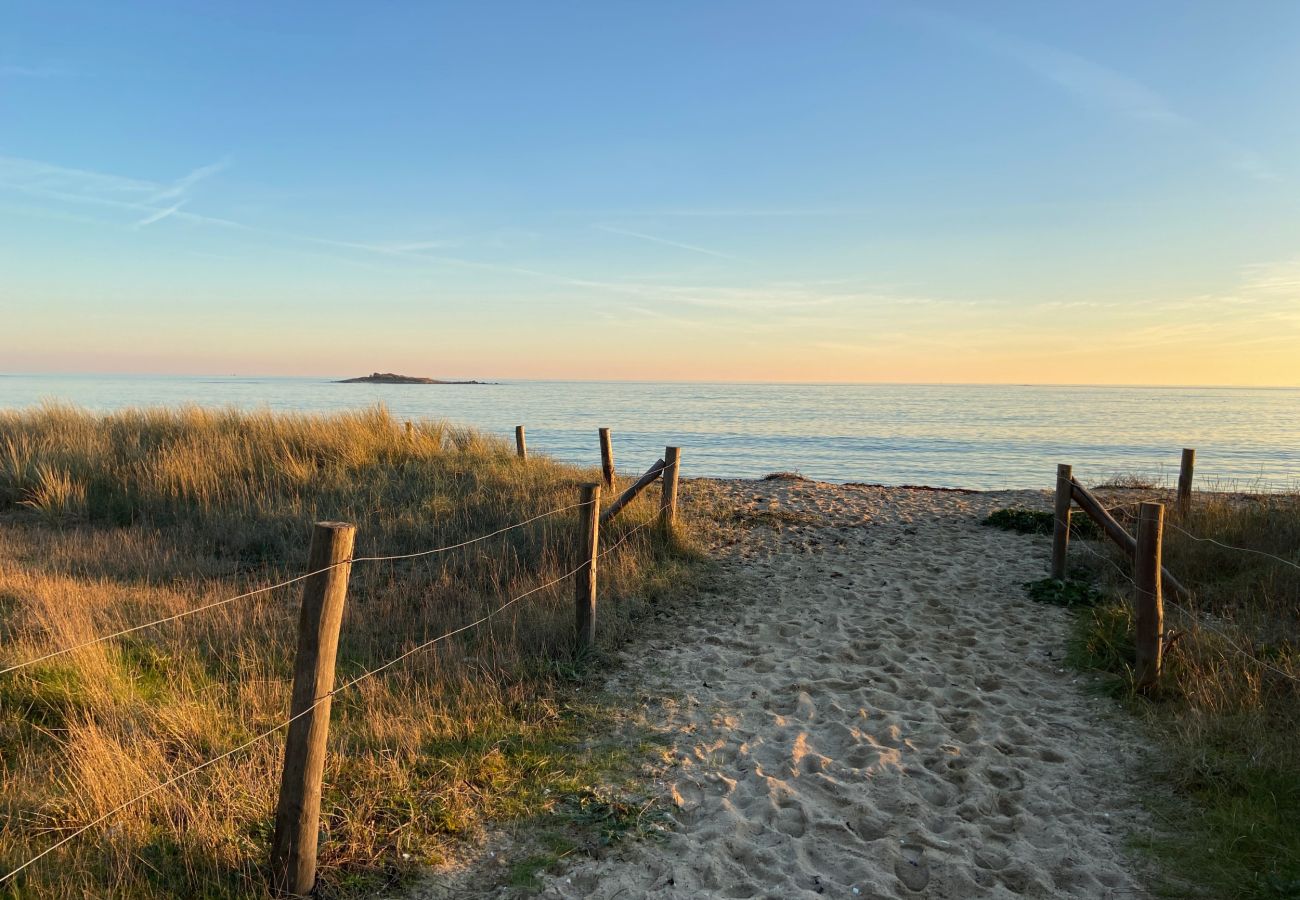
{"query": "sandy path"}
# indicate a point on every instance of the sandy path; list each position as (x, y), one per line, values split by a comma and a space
(878, 712)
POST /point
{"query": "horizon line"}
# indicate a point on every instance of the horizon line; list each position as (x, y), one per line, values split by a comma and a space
(489, 381)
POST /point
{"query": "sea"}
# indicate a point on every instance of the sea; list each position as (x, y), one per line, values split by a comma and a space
(986, 437)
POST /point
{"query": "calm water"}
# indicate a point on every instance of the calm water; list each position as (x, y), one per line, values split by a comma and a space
(941, 435)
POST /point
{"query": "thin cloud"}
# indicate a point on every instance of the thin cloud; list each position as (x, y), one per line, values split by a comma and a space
(665, 241)
(1088, 81)
(160, 215)
(75, 186)
(181, 185)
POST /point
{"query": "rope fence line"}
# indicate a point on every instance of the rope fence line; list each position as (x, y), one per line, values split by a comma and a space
(293, 846)
(1233, 641)
(263, 590)
(1138, 501)
(329, 695)
(1285, 562)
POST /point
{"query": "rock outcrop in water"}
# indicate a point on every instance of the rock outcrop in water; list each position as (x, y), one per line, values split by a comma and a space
(391, 378)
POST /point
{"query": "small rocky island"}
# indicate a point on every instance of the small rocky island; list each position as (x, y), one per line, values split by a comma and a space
(391, 378)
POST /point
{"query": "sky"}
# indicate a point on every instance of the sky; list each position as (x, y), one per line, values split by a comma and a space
(998, 191)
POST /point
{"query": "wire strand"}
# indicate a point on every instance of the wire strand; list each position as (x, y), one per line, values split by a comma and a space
(337, 690)
(1199, 620)
(1285, 562)
(278, 585)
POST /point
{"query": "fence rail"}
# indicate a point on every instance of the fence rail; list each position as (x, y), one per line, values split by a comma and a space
(1150, 577)
(330, 560)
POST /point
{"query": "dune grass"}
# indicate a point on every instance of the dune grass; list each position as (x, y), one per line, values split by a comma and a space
(107, 521)
(1224, 724)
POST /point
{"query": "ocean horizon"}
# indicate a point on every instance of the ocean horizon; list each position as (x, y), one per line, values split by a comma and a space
(980, 436)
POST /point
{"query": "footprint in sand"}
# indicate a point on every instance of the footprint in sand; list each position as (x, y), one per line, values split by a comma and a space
(912, 868)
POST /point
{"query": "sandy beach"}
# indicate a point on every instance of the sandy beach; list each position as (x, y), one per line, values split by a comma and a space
(869, 706)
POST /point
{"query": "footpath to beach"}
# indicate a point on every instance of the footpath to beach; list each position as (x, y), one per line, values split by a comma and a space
(871, 707)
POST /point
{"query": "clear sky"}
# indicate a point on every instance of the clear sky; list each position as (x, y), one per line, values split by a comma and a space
(1104, 192)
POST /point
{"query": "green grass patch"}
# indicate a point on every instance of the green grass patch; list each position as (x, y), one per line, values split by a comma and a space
(1068, 593)
(1033, 521)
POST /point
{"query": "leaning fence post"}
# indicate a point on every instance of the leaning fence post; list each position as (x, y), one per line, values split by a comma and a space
(1150, 603)
(1185, 479)
(521, 446)
(584, 579)
(293, 845)
(668, 501)
(606, 457)
(1061, 522)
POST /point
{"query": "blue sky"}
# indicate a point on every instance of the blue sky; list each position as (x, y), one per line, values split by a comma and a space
(1000, 191)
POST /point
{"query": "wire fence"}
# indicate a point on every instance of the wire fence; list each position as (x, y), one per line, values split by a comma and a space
(272, 587)
(1233, 641)
(280, 726)
(667, 512)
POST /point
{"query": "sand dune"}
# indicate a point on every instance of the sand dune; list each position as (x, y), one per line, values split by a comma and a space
(873, 709)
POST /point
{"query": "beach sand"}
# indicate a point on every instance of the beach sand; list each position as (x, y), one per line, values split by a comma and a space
(864, 704)
(871, 707)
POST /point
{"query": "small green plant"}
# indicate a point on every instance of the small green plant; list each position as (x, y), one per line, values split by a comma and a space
(1033, 521)
(1068, 593)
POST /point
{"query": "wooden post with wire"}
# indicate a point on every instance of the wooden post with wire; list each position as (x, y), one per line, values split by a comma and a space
(521, 445)
(668, 501)
(1150, 602)
(1185, 479)
(297, 816)
(1061, 524)
(606, 457)
(584, 579)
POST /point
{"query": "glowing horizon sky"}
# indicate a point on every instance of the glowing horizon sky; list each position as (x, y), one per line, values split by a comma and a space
(949, 192)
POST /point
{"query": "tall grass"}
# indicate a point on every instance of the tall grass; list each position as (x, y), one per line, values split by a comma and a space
(108, 521)
(1227, 712)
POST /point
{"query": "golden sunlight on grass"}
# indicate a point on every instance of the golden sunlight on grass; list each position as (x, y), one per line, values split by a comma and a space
(110, 521)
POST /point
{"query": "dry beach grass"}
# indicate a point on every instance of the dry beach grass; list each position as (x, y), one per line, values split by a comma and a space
(1225, 717)
(108, 521)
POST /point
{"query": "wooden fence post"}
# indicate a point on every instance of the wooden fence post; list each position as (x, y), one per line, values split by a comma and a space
(1150, 603)
(297, 817)
(668, 502)
(607, 457)
(584, 580)
(1185, 479)
(521, 446)
(410, 430)
(1061, 529)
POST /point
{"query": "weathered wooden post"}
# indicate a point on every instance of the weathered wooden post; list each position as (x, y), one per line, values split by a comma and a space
(1150, 602)
(633, 491)
(410, 430)
(668, 502)
(1185, 479)
(607, 457)
(584, 579)
(521, 446)
(1061, 529)
(297, 817)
